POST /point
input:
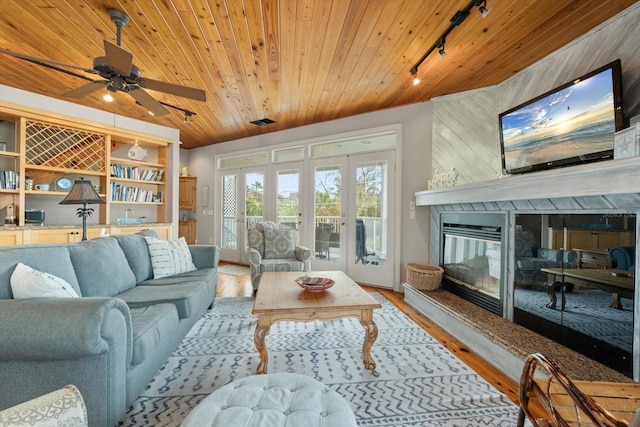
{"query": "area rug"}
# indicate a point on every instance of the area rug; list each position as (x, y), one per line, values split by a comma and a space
(233, 269)
(417, 382)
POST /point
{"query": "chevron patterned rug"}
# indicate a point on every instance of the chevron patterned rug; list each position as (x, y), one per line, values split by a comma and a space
(417, 382)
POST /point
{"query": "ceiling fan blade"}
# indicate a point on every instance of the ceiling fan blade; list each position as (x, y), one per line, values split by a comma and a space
(148, 101)
(86, 89)
(118, 58)
(46, 61)
(173, 89)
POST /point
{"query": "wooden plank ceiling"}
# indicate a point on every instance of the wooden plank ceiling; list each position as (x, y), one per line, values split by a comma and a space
(297, 62)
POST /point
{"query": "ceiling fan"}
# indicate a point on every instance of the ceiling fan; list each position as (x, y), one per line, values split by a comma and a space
(119, 74)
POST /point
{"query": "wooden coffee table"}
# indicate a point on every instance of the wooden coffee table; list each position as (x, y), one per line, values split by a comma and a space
(279, 298)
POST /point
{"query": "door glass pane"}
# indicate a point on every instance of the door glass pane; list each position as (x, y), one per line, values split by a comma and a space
(254, 199)
(327, 212)
(371, 221)
(229, 231)
(287, 202)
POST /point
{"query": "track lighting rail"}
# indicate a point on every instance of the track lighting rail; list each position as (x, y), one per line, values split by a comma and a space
(457, 19)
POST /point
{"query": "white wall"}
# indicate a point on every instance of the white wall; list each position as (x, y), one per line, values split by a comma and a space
(415, 171)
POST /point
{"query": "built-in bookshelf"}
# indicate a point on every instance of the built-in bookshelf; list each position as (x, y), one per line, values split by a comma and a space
(46, 150)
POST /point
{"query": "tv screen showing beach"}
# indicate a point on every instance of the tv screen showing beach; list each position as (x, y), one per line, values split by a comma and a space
(575, 121)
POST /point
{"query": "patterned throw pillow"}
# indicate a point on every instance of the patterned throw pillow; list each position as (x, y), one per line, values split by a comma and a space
(169, 257)
(27, 282)
(280, 243)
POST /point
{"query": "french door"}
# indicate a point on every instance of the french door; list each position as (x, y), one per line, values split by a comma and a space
(242, 206)
(350, 216)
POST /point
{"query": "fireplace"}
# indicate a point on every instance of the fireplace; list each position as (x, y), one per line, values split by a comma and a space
(472, 255)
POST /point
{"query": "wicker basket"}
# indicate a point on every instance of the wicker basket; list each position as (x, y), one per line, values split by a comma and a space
(424, 277)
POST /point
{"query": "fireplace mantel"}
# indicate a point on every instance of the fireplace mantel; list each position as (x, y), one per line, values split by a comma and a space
(621, 176)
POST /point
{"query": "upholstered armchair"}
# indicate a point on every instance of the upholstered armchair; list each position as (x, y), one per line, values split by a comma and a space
(274, 247)
(530, 260)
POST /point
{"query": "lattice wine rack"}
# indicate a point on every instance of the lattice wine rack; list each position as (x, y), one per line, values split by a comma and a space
(55, 146)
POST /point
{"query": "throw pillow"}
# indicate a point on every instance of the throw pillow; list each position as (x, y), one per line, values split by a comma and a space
(27, 282)
(169, 257)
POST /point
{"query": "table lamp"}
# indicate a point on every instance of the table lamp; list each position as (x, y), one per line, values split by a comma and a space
(82, 193)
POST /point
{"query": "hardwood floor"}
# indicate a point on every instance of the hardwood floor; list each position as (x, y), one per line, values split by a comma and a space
(240, 286)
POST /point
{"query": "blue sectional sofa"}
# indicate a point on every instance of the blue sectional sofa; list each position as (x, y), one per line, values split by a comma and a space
(112, 340)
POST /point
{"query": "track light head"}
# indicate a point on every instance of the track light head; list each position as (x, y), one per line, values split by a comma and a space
(414, 74)
(482, 7)
(440, 44)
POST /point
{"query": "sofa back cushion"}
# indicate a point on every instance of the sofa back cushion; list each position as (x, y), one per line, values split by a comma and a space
(101, 267)
(52, 259)
(136, 250)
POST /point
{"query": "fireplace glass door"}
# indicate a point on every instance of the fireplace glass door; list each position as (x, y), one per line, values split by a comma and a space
(473, 262)
(564, 287)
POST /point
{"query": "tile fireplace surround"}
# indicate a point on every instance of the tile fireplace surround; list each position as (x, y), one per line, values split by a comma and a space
(611, 186)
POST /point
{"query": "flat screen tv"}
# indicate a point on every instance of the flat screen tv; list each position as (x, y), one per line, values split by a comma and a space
(573, 123)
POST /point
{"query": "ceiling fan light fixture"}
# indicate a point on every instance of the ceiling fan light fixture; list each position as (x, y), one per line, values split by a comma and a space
(107, 97)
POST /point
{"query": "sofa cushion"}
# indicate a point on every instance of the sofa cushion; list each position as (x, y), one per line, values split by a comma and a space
(204, 274)
(101, 267)
(186, 296)
(136, 250)
(52, 259)
(151, 326)
(169, 257)
(27, 282)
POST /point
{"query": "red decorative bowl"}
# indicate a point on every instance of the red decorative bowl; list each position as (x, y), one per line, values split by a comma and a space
(314, 284)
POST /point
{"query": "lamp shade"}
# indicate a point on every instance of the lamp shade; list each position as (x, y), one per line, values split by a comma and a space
(82, 192)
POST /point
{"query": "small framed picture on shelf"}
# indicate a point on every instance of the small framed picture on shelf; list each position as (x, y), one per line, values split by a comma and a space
(626, 143)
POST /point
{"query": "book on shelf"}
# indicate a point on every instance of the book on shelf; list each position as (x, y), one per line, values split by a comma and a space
(9, 180)
(135, 173)
(123, 193)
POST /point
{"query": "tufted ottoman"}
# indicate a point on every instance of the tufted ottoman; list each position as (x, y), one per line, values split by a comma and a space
(272, 400)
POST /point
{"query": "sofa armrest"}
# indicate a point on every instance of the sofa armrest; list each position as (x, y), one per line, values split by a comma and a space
(205, 256)
(62, 328)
